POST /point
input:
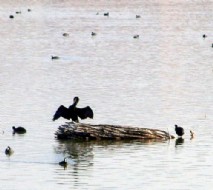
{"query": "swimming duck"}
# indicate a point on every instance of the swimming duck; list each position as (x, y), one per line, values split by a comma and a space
(93, 34)
(136, 36)
(138, 16)
(8, 151)
(73, 112)
(11, 16)
(179, 131)
(106, 14)
(54, 57)
(65, 34)
(19, 130)
(63, 163)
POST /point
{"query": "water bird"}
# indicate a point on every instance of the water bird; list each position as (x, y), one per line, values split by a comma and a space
(136, 36)
(73, 112)
(54, 57)
(204, 36)
(65, 34)
(9, 151)
(18, 12)
(179, 131)
(29, 10)
(19, 130)
(93, 34)
(138, 16)
(63, 163)
(106, 14)
(11, 16)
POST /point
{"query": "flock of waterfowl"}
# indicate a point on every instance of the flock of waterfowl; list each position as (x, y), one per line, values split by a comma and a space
(74, 113)
(93, 34)
(18, 12)
(21, 130)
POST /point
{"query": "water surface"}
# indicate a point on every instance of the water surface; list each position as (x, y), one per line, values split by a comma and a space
(163, 78)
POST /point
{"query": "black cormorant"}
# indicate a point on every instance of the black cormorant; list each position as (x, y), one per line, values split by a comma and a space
(73, 112)
(179, 130)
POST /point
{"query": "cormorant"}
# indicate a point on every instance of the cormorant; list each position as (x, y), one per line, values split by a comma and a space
(73, 112)
(19, 130)
(179, 130)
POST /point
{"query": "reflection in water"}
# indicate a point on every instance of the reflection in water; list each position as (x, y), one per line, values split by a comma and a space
(179, 141)
(83, 153)
(82, 150)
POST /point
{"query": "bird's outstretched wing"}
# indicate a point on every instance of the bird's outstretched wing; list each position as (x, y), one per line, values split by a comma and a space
(83, 113)
(62, 111)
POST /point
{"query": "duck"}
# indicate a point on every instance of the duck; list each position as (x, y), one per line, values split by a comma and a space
(65, 34)
(63, 163)
(19, 130)
(8, 151)
(11, 16)
(73, 112)
(138, 16)
(54, 57)
(93, 34)
(179, 131)
(204, 36)
(106, 14)
(136, 36)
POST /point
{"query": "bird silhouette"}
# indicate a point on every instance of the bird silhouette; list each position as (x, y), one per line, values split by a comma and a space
(73, 112)
(19, 130)
(63, 163)
(179, 131)
(8, 151)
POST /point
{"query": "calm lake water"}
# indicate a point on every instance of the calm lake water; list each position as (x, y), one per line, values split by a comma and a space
(164, 77)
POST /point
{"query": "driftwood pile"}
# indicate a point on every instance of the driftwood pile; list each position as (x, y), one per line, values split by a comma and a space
(80, 131)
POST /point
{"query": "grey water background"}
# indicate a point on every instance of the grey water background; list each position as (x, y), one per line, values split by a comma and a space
(163, 78)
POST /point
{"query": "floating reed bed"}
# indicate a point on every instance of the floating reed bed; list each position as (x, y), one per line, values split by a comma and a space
(81, 131)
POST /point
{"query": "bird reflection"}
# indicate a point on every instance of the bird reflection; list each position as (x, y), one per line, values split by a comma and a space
(179, 141)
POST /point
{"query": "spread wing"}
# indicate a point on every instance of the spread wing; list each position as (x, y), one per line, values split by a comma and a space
(62, 111)
(83, 113)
